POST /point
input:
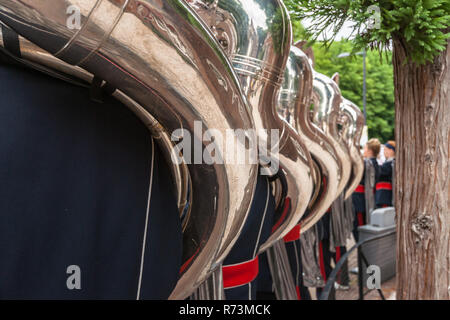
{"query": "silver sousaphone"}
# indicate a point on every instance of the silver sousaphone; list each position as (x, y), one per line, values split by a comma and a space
(168, 68)
(294, 105)
(327, 101)
(352, 120)
(256, 35)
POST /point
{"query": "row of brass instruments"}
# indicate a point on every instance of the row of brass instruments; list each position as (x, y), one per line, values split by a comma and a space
(228, 66)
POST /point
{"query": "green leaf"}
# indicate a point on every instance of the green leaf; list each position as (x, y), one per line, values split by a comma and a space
(409, 20)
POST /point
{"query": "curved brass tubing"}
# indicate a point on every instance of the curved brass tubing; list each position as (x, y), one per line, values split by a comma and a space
(256, 35)
(352, 137)
(294, 105)
(163, 58)
(328, 99)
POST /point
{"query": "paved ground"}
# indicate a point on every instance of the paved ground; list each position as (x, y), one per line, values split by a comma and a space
(388, 287)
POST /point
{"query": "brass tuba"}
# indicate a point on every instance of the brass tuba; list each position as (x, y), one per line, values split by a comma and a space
(328, 99)
(294, 105)
(352, 135)
(352, 125)
(256, 35)
(168, 67)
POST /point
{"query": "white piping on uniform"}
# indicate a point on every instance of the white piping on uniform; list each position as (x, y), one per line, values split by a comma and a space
(262, 221)
(146, 223)
(256, 245)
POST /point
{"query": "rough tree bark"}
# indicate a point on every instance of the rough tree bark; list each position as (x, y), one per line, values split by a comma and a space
(422, 94)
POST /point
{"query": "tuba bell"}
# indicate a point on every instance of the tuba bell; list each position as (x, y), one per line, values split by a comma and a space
(168, 68)
(294, 104)
(352, 135)
(256, 36)
(328, 99)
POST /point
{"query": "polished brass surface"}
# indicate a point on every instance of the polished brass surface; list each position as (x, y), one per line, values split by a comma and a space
(354, 126)
(163, 59)
(294, 105)
(256, 35)
(327, 100)
(180, 174)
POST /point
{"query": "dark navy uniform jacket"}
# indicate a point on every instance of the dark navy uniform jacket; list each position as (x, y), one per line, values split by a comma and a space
(383, 195)
(359, 202)
(264, 280)
(75, 177)
(242, 263)
(294, 252)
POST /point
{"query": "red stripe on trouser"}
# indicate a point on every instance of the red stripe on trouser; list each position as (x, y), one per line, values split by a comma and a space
(321, 262)
(383, 186)
(360, 217)
(188, 261)
(293, 235)
(240, 274)
(297, 288)
(360, 189)
(384, 205)
(338, 254)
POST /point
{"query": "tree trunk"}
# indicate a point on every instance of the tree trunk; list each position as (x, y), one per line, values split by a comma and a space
(422, 101)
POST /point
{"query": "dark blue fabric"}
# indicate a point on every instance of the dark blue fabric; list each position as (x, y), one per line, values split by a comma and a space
(324, 226)
(320, 228)
(248, 242)
(359, 202)
(74, 181)
(244, 247)
(244, 292)
(164, 239)
(264, 280)
(327, 257)
(377, 169)
(294, 253)
(356, 224)
(384, 197)
(342, 276)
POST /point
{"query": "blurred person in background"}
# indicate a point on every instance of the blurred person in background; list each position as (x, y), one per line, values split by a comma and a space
(381, 157)
(359, 197)
(383, 195)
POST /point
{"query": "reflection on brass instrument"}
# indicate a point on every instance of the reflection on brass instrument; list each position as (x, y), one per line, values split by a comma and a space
(352, 135)
(294, 106)
(167, 66)
(327, 101)
(37, 58)
(256, 35)
(227, 66)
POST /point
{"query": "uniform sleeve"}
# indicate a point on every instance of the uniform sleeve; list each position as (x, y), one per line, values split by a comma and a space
(386, 171)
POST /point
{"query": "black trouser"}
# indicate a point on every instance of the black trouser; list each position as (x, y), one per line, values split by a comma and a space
(325, 256)
(293, 249)
(359, 220)
(342, 276)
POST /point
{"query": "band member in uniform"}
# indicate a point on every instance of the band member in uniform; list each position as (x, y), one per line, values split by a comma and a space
(265, 290)
(87, 210)
(383, 195)
(363, 202)
(325, 254)
(264, 282)
(241, 266)
(359, 197)
(293, 248)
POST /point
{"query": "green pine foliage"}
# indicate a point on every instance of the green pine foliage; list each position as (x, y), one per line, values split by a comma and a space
(421, 25)
(380, 83)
